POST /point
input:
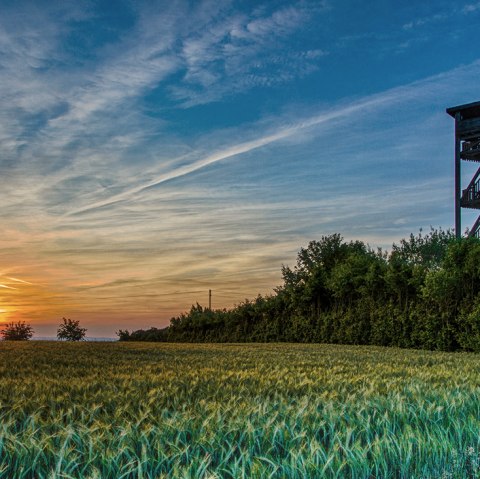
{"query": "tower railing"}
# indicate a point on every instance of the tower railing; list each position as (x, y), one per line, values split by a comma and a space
(471, 195)
(475, 231)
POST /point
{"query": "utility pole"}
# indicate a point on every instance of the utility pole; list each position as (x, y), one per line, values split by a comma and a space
(210, 299)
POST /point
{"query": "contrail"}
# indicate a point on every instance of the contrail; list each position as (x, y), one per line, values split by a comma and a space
(225, 154)
(396, 94)
(19, 280)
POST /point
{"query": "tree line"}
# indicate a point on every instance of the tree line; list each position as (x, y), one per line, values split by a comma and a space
(424, 293)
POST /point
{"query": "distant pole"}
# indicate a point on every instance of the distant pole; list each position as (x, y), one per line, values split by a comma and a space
(458, 191)
(210, 299)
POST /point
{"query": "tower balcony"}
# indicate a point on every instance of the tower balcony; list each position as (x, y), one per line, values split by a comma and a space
(470, 150)
(467, 147)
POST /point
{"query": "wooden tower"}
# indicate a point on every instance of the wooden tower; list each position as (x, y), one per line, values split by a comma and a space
(467, 147)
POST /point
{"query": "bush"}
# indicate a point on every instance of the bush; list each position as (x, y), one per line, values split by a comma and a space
(17, 331)
(70, 330)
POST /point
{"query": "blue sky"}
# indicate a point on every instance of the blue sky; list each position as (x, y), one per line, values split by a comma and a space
(150, 151)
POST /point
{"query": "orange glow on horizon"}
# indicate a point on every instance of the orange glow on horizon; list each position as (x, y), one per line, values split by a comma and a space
(109, 300)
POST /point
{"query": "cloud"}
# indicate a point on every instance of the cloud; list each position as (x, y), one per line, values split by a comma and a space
(16, 280)
(58, 121)
(471, 8)
(360, 108)
(420, 22)
(280, 22)
(237, 52)
(453, 11)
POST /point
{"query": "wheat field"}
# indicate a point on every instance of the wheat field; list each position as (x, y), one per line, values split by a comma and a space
(154, 410)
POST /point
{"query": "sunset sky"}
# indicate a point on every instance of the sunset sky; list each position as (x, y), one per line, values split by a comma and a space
(151, 151)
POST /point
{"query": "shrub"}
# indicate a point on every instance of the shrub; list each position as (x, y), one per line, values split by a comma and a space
(70, 330)
(17, 331)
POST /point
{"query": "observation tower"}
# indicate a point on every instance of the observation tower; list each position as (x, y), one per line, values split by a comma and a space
(467, 147)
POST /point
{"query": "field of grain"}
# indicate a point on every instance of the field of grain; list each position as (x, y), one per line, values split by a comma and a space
(144, 410)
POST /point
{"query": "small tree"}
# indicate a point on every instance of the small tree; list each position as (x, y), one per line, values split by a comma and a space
(17, 331)
(70, 330)
(123, 335)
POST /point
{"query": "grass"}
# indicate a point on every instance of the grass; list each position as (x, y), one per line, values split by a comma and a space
(128, 410)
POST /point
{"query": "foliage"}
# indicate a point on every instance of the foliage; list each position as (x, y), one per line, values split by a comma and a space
(152, 334)
(19, 331)
(425, 293)
(70, 330)
(123, 335)
(132, 410)
(424, 250)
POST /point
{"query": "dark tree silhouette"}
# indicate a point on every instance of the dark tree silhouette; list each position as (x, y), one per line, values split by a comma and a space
(17, 331)
(70, 330)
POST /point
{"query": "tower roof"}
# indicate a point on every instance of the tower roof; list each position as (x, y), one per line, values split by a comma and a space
(469, 110)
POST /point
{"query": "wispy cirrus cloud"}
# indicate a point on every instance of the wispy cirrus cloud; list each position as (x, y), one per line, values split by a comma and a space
(93, 114)
(420, 22)
(239, 51)
(471, 8)
(453, 10)
(314, 125)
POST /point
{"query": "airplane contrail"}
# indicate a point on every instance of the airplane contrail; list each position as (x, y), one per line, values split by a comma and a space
(19, 280)
(396, 94)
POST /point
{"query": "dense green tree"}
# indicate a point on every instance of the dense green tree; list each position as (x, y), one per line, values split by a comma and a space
(425, 293)
(425, 250)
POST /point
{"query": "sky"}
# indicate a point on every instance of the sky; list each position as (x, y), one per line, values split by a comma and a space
(151, 151)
